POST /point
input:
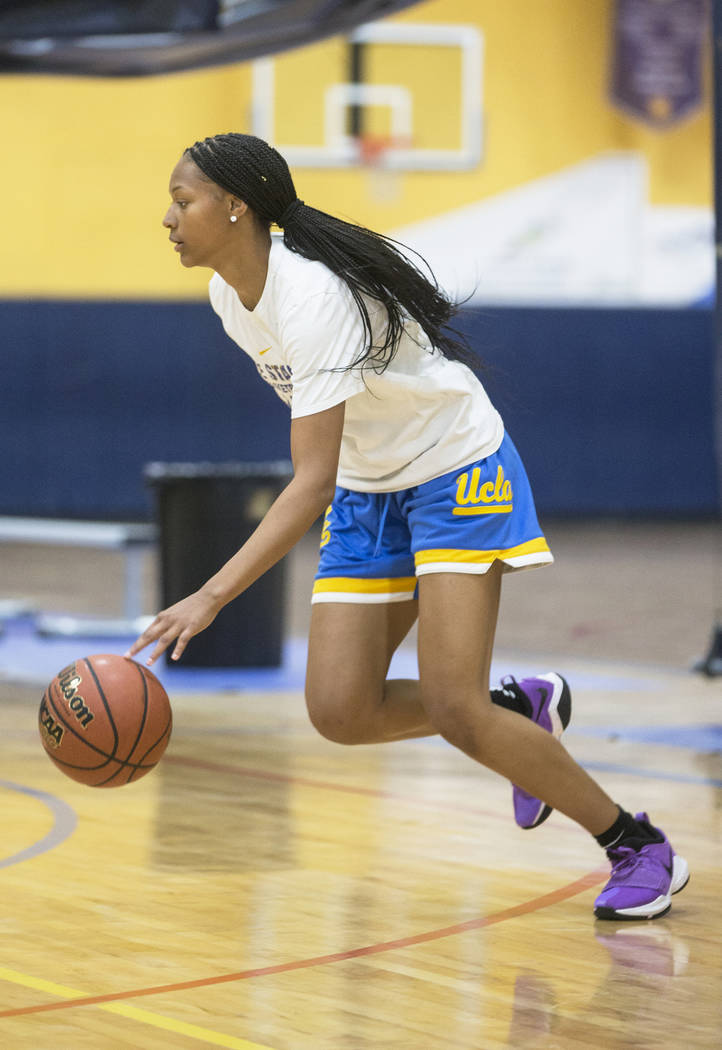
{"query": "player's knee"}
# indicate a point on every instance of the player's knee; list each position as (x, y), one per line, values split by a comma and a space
(334, 719)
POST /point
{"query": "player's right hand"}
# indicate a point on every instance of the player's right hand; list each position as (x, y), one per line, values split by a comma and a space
(179, 623)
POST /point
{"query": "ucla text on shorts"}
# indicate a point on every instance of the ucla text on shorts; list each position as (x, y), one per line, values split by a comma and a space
(493, 497)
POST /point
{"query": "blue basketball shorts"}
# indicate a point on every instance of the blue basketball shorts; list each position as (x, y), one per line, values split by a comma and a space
(374, 545)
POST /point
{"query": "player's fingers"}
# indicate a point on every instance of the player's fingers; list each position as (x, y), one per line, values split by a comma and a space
(162, 644)
(150, 634)
(183, 638)
(139, 643)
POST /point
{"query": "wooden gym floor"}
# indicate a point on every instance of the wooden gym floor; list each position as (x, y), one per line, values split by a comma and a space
(264, 888)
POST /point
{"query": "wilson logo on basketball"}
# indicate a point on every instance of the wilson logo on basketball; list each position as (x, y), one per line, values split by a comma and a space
(51, 731)
(493, 497)
(69, 681)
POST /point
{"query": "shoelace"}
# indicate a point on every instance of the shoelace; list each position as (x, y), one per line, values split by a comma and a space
(624, 859)
(510, 686)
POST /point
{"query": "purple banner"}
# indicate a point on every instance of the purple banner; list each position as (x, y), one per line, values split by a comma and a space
(657, 58)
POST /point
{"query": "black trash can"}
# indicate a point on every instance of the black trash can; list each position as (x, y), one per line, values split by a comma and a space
(206, 512)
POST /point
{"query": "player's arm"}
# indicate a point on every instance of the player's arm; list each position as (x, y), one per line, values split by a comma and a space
(315, 448)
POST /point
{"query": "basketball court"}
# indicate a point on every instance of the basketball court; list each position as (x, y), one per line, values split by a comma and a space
(263, 888)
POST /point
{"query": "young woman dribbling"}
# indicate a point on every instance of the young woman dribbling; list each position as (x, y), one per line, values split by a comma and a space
(426, 500)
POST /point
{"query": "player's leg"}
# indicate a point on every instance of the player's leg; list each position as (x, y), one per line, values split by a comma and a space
(466, 521)
(349, 698)
(453, 610)
(457, 621)
(363, 608)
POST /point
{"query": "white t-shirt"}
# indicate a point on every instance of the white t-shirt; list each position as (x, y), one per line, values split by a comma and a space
(420, 418)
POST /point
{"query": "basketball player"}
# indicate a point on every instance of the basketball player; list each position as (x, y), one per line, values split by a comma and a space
(428, 502)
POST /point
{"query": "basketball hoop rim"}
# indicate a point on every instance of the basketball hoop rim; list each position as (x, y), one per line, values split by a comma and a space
(372, 149)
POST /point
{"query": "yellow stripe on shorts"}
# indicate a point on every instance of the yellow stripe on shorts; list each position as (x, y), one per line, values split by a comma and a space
(537, 546)
(356, 585)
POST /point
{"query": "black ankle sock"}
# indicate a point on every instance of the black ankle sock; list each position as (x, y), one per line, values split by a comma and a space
(512, 699)
(626, 831)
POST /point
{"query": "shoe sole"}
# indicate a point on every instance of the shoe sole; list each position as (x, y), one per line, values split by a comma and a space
(657, 908)
(560, 715)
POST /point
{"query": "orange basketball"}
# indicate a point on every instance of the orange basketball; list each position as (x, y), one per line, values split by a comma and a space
(104, 720)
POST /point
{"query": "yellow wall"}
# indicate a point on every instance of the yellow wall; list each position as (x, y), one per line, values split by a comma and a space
(84, 176)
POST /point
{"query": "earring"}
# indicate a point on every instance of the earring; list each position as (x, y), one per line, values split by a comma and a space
(234, 218)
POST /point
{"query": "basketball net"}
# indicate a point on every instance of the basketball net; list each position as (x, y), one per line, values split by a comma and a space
(383, 182)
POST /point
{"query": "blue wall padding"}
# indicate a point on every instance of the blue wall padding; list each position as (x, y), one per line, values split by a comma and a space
(94, 391)
(612, 409)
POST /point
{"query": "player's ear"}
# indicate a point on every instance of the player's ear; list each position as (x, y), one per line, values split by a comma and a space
(236, 208)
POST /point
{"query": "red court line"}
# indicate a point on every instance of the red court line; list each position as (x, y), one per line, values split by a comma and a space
(592, 878)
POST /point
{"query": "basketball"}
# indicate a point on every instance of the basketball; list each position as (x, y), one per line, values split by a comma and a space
(105, 720)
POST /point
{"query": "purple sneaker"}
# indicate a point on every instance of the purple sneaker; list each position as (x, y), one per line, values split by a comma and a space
(644, 879)
(548, 702)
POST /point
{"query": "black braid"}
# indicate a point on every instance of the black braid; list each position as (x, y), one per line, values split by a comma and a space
(370, 264)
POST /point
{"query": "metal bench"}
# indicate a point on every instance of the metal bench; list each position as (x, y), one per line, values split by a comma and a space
(131, 538)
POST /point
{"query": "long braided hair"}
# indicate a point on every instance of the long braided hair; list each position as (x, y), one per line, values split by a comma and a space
(371, 265)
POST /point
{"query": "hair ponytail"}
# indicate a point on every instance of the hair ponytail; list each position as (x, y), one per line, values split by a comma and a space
(371, 265)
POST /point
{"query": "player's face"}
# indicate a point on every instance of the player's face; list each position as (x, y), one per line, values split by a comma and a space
(198, 219)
